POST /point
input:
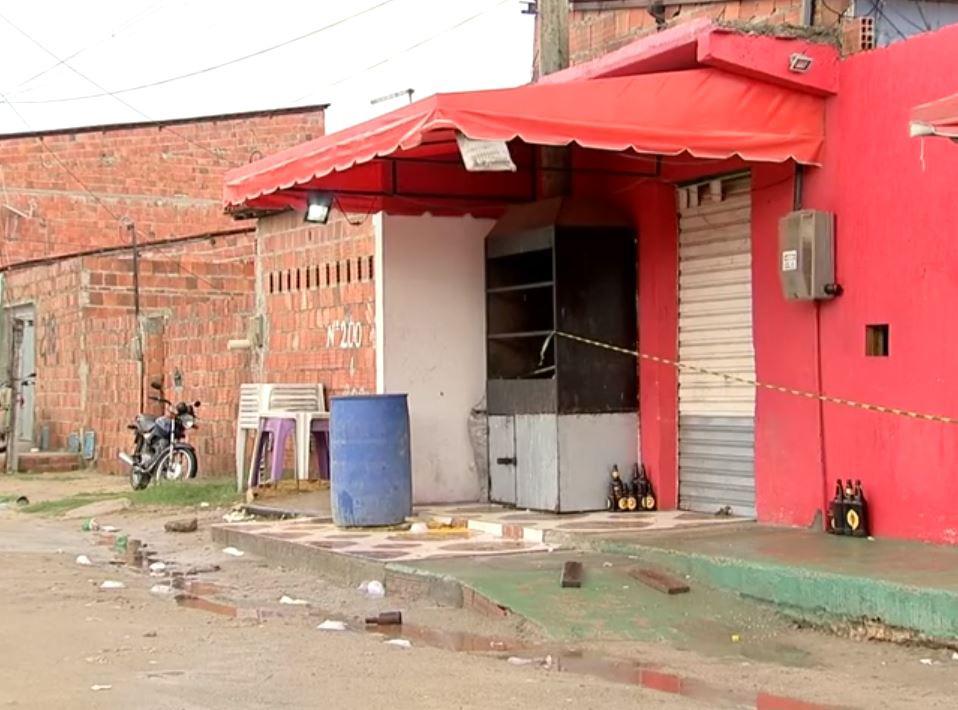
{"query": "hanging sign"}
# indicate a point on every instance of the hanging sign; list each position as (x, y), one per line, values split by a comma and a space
(484, 156)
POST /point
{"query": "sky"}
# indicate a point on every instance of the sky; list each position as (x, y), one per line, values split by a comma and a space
(356, 51)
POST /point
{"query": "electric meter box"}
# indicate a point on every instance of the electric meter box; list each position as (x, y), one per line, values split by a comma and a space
(806, 255)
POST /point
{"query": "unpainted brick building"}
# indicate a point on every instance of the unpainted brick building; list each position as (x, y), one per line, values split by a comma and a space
(597, 27)
(69, 202)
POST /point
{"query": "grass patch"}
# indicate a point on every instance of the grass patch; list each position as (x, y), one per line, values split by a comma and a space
(187, 493)
(58, 477)
(172, 495)
(59, 506)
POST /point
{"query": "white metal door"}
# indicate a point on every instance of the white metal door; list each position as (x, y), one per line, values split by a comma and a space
(502, 459)
(716, 416)
(26, 374)
(537, 474)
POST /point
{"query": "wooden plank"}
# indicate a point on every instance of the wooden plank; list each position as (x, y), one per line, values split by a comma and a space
(659, 580)
(571, 574)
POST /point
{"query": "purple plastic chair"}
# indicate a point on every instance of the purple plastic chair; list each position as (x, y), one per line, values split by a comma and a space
(272, 435)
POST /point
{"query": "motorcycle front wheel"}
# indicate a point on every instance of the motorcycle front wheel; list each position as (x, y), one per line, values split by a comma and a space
(138, 480)
(179, 466)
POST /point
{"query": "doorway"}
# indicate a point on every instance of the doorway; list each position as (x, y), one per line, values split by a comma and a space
(26, 356)
(716, 415)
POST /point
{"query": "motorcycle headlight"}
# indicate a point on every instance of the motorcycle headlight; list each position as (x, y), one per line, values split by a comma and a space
(188, 421)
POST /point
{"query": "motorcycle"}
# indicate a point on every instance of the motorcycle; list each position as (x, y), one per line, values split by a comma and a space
(160, 448)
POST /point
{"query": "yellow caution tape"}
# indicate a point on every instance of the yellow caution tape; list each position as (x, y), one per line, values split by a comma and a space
(764, 385)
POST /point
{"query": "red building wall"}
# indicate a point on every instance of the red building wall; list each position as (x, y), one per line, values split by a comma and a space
(894, 201)
(894, 197)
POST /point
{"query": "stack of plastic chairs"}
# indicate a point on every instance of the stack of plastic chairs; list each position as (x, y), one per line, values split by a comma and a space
(295, 409)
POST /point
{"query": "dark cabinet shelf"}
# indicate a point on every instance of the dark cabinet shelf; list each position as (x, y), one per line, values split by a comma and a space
(560, 411)
(574, 275)
(521, 287)
(520, 334)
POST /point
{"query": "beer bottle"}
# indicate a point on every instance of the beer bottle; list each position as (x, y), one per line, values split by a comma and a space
(617, 492)
(855, 513)
(836, 511)
(647, 501)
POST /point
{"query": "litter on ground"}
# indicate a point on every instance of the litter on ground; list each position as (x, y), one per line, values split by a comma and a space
(373, 588)
(332, 625)
(285, 599)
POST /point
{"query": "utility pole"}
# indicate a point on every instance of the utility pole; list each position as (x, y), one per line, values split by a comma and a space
(552, 36)
(13, 375)
(138, 334)
(552, 45)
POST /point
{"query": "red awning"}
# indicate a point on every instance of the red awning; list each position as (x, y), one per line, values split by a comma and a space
(706, 113)
(938, 118)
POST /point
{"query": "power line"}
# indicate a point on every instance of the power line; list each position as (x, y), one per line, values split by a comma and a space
(406, 50)
(923, 18)
(66, 168)
(214, 67)
(877, 8)
(113, 33)
(120, 220)
(83, 76)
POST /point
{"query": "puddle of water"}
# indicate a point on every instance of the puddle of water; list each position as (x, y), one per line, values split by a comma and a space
(202, 589)
(191, 601)
(449, 640)
(767, 701)
(563, 660)
(621, 670)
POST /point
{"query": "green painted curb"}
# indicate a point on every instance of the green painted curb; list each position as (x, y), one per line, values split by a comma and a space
(810, 592)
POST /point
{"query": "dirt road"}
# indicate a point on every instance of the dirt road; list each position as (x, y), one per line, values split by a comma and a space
(61, 635)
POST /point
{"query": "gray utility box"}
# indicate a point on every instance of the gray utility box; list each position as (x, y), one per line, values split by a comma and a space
(806, 255)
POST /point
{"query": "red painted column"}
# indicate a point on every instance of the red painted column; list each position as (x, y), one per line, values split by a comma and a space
(656, 218)
(788, 459)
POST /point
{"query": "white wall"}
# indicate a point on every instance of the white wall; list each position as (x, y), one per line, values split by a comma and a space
(430, 323)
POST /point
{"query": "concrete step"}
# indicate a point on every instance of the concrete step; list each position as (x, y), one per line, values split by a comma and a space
(49, 462)
(812, 576)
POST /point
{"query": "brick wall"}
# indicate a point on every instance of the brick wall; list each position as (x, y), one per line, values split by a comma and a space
(167, 178)
(316, 288)
(56, 291)
(193, 298)
(596, 32)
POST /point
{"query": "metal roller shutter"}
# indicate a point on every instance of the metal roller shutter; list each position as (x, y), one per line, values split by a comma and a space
(716, 417)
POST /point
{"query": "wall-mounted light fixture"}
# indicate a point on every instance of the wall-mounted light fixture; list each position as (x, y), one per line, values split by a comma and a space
(318, 207)
(799, 63)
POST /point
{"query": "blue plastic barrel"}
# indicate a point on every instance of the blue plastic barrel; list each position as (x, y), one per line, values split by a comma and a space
(370, 469)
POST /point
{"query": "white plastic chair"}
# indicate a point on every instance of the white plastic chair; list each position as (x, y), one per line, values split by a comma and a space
(247, 420)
